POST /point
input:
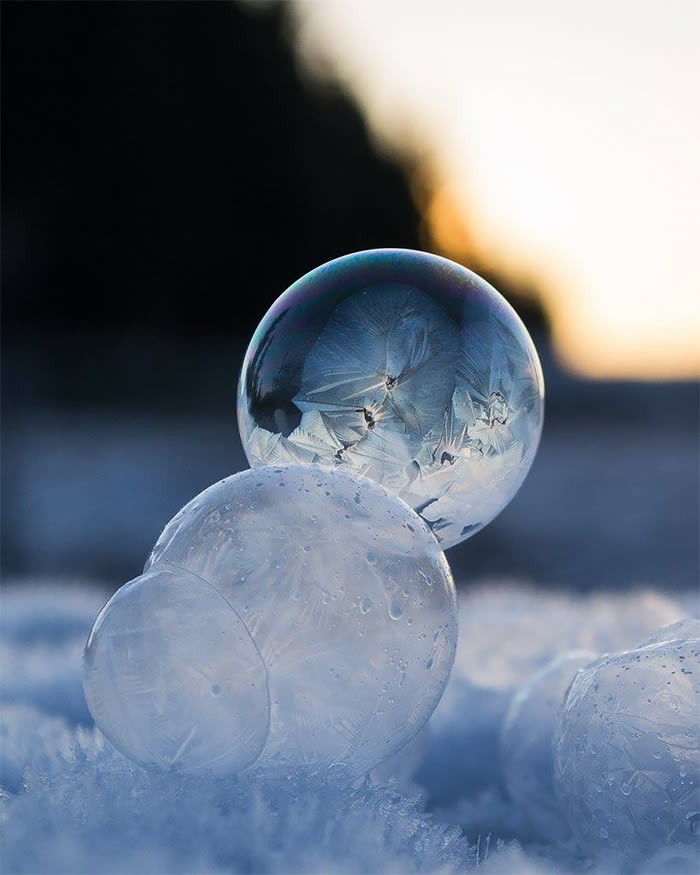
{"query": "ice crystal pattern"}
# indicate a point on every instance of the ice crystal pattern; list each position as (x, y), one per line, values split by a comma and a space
(286, 617)
(405, 368)
(173, 678)
(627, 753)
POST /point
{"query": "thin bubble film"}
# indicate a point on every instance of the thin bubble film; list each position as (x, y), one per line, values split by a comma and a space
(172, 677)
(405, 368)
(347, 597)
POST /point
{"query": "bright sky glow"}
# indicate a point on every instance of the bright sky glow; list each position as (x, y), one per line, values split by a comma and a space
(564, 136)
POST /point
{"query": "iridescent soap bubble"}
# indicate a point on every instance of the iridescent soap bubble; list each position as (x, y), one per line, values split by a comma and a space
(336, 599)
(526, 743)
(627, 753)
(403, 367)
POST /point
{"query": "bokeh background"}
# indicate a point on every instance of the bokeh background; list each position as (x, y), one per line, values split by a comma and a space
(170, 168)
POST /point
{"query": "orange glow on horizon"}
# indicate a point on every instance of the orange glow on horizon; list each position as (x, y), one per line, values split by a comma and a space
(560, 149)
(582, 343)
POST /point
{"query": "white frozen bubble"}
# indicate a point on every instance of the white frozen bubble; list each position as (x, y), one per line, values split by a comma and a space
(172, 677)
(332, 589)
(627, 753)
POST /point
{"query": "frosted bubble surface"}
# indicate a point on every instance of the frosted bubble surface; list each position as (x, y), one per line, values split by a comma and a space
(627, 753)
(405, 368)
(172, 677)
(347, 597)
(688, 627)
(526, 742)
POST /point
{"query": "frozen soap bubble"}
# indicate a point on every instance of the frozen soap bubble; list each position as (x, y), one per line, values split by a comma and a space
(403, 367)
(339, 615)
(627, 753)
(173, 678)
(347, 596)
(526, 743)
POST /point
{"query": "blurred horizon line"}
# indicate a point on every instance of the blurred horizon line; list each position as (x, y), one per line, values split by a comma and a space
(537, 151)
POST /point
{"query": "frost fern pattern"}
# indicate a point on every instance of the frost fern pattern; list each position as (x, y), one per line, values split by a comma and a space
(446, 412)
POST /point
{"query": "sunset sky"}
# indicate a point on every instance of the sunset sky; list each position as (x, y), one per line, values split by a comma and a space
(559, 141)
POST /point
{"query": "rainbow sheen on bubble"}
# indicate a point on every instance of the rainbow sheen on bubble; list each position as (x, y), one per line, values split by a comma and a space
(403, 367)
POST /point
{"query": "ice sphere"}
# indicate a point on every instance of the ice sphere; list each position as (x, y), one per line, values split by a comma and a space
(403, 367)
(526, 743)
(627, 753)
(508, 630)
(173, 678)
(347, 598)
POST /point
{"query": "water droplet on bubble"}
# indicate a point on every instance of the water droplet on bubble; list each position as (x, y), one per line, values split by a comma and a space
(395, 609)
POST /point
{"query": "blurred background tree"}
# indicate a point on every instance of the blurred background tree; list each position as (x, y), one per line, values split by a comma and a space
(168, 170)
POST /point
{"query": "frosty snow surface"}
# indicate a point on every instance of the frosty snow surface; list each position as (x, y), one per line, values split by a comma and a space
(287, 617)
(72, 804)
(403, 367)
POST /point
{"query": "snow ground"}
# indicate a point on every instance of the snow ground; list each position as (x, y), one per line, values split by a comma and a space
(72, 804)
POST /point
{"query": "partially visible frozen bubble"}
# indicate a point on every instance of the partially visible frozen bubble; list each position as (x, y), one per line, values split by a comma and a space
(403, 367)
(687, 628)
(627, 753)
(172, 677)
(345, 641)
(526, 743)
(509, 631)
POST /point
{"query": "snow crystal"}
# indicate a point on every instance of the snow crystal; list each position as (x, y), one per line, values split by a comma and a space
(100, 813)
(71, 803)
